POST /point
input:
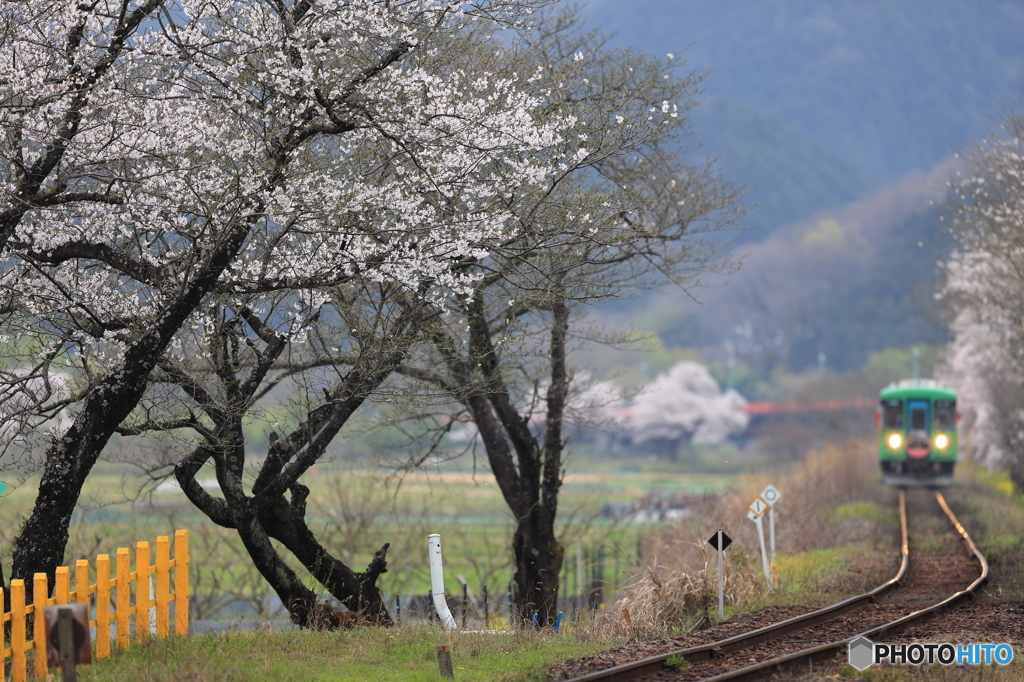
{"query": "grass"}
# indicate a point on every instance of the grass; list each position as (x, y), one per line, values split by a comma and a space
(832, 514)
(826, 522)
(864, 509)
(355, 511)
(803, 575)
(994, 507)
(403, 653)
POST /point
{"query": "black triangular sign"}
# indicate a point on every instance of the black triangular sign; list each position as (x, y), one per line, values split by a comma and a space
(726, 540)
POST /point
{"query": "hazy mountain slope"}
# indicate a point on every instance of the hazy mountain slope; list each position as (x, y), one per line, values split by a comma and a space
(788, 175)
(883, 88)
(846, 282)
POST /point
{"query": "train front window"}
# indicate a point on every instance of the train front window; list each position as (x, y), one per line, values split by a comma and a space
(945, 414)
(918, 418)
(892, 414)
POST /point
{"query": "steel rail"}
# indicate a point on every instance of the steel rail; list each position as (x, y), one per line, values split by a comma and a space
(825, 652)
(654, 664)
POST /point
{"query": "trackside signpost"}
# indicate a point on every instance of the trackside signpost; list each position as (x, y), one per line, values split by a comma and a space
(67, 638)
(771, 495)
(755, 510)
(720, 541)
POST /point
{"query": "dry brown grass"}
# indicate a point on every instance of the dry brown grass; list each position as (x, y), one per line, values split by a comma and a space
(676, 586)
(822, 481)
(667, 596)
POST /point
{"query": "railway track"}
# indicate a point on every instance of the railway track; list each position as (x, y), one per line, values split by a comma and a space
(877, 614)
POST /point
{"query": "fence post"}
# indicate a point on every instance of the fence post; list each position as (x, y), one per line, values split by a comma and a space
(578, 597)
(163, 585)
(512, 604)
(465, 602)
(615, 569)
(40, 591)
(597, 579)
(18, 663)
(82, 581)
(102, 605)
(563, 586)
(181, 560)
(62, 585)
(142, 595)
(2, 595)
(122, 598)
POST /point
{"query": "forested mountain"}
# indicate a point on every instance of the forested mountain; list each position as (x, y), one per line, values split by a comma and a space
(847, 282)
(788, 175)
(814, 102)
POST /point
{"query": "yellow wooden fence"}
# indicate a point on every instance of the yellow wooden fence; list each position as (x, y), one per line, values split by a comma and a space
(17, 611)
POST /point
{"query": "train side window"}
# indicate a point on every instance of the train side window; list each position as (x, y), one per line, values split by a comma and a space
(892, 414)
(945, 414)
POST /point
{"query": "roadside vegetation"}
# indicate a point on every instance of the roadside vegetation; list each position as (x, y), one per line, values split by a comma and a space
(385, 655)
(836, 536)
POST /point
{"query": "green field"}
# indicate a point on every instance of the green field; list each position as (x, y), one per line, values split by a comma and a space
(355, 511)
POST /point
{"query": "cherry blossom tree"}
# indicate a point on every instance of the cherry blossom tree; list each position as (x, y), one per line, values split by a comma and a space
(241, 150)
(985, 286)
(334, 368)
(686, 403)
(67, 70)
(633, 214)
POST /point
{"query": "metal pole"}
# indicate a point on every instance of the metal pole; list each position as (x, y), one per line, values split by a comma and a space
(721, 582)
(579, 579)
(771, 529)
(66, 637)
(764, 553)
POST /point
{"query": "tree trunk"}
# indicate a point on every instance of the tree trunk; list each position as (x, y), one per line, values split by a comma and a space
(538, 560)
(538, 554)
(303, 608)
(284, 523)
(39, 547)
(528, 471)
(359, 592)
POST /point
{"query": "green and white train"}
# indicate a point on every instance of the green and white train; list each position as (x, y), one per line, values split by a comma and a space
(917, 433)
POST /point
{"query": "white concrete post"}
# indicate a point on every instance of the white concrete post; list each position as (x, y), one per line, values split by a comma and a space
(437, 582)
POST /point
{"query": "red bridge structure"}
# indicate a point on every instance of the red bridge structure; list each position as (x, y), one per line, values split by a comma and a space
(790, 406)
(791, 426)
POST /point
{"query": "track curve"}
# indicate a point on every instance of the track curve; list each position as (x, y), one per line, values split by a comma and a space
(655, 666)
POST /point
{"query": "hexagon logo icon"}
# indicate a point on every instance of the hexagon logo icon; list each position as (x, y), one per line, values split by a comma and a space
(862, 653)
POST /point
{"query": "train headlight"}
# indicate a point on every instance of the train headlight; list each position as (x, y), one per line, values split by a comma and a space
(941, 441)
(895, 440)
